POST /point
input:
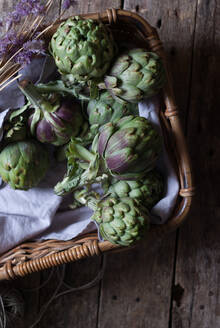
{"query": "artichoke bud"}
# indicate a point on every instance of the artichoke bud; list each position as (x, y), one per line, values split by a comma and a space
(107, 109)
(105, 133)
(130, 147)
(82, 49)
(52, 119)
(23, 164)
(135, 75)
(121, 221)
(148, 190)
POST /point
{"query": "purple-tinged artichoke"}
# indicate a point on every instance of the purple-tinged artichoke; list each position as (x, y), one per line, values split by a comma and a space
(135, 75)
(23, 164)
(129, 147)
(126, 149)
(52, 119)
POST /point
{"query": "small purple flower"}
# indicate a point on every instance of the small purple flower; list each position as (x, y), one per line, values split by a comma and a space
(12, 40)
(15, 17)
(30, 48)
(23, 9)
(36, 46)
(27, 7)
(68, 3)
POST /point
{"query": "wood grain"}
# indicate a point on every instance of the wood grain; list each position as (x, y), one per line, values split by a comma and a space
(30, 292)
(136, 288)
(198, 261)
(53, 13)
(89, 6)
(77, 309)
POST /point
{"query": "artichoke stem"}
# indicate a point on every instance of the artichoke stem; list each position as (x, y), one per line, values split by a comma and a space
(85, 198)
(83, 153)
(34, 96)
(58, 87)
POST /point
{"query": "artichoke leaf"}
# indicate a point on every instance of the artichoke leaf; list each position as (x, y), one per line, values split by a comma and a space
(19, 111)
(36, 118)
(76, 150)
(82, 196)
(70, 182)
(59, 86)
(78, 173)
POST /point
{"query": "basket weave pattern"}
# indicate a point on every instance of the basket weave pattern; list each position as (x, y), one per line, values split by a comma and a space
(36, 256)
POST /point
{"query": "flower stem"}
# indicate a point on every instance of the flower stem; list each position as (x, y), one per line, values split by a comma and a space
(79, 151)
(34, 96)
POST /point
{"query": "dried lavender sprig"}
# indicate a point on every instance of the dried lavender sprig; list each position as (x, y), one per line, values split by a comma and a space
(11, 42)
(5, 84)
(23, 9)
(38, 20)
(68, 3)
(30, 48)
(16, 48)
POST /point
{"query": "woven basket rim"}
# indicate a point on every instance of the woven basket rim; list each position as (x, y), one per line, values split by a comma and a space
(31, 256)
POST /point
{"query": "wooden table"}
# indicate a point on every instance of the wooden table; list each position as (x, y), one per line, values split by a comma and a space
(175, 282)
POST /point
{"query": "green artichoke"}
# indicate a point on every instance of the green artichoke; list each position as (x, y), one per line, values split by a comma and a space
(147, 190)
(23, 164)
(135, 75)
(129, 147)
(121, 220)
(82, 48)
(107, 109)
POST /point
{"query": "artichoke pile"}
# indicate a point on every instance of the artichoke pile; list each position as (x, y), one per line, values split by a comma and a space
(89, 117)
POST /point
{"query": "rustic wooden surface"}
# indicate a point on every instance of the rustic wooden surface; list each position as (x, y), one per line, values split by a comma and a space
(173, 283)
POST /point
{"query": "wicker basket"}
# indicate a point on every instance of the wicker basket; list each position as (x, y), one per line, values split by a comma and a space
(36, 256)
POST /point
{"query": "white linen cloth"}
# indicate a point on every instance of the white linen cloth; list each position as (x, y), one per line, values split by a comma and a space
(34, 214)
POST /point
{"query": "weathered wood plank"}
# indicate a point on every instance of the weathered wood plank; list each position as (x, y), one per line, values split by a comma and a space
(92, 6)
(28, 287)
(136, 288)
(53, 13)
(198, 262)
(77, 309)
